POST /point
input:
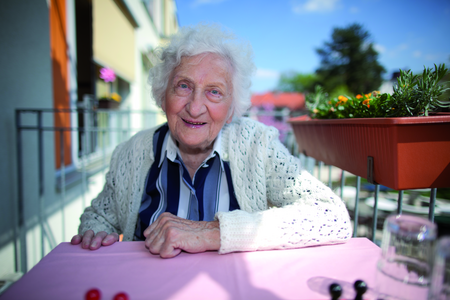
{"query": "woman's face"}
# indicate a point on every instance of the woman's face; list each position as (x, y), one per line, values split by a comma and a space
(199, 101)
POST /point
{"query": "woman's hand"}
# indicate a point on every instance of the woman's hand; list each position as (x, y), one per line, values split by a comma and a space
(89, 241)
(169, 235)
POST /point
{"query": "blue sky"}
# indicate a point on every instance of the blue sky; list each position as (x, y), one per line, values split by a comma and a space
(285, 33)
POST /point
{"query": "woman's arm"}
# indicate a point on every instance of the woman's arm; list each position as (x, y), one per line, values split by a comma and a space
(306, 212)
(99, 222)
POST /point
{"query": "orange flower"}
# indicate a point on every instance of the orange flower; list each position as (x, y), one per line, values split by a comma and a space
(315, 110)
(359, 96)
(366, 102)
(342, 100)
(368, 95)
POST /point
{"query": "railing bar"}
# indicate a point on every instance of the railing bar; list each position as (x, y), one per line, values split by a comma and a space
(48, 128)
(63, 184)
(120, 126)
(375, 211)
(19, 240)
(320, 169)
(356, 210)
(104, 148)
(83, 168)
(82, 110)
(330, 184)
(400, 202)
(41, 180)
(129, 124)
(432, 204)
(342, 183)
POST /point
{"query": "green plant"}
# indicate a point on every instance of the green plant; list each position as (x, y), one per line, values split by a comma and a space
(418, 95)
(415, 95)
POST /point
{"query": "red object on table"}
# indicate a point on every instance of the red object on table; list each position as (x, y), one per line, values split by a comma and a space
(69, 271)
(93, 294)
(121, 296)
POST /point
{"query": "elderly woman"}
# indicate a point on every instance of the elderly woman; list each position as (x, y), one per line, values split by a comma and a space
(209, 179)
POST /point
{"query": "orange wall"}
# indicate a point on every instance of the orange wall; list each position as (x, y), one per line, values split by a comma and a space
(59, 50)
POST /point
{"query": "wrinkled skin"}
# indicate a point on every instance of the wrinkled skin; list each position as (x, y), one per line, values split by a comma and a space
(198, 103)
(90, 241)
(169, 235)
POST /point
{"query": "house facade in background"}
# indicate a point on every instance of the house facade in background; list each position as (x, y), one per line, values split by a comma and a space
(52, 56)
(275, 108)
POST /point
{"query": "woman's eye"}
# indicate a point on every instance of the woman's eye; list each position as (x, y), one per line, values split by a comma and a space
(182, 89)
(214, 92)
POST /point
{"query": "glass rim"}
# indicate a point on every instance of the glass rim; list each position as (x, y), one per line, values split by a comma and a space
(411, 226)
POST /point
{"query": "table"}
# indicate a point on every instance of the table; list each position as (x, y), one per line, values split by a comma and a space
(69, 271)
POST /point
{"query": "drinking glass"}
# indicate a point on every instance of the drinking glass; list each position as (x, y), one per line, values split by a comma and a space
(404, 266)
(440, 274)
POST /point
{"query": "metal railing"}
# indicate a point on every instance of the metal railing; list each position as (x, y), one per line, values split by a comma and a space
(399, 210)
(90, 148)
(92, 144)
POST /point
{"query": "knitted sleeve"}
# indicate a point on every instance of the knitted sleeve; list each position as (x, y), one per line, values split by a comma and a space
(115, 208)
(305, 212)
(103, 214)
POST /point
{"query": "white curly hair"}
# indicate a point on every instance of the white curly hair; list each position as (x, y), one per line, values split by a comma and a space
(204, 38)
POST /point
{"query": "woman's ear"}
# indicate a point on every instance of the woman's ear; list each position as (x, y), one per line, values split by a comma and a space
(230, 118)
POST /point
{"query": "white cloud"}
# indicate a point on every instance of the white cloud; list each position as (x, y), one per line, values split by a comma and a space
(354, 10)
(398, 49)
(433, 57)
(379, 48)
(402, 47)
(315, 6)
(202, 2)
(417, 54)
(267, 74)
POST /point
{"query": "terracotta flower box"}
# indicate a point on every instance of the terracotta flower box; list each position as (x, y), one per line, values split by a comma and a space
(400, 153)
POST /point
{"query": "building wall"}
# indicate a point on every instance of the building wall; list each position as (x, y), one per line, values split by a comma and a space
(114, 38)
(59, 45)
(148, 37)
(25, 82)
(39, 70)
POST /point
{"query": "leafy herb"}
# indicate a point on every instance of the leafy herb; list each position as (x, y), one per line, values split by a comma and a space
(415, 95)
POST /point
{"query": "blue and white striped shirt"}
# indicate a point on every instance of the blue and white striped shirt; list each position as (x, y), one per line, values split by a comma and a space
(169, 187)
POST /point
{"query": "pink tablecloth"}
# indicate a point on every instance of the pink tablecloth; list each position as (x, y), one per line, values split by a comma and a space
(69, 271)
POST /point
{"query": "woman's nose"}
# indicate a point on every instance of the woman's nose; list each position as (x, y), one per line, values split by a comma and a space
(196, 106)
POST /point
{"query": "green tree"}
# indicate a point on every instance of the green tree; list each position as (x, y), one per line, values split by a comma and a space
(297, 82)
(350, 60)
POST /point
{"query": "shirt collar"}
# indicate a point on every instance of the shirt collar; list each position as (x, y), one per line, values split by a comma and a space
(170, 149)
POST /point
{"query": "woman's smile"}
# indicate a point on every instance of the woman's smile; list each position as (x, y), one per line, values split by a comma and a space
(199, 101)
(193, 124)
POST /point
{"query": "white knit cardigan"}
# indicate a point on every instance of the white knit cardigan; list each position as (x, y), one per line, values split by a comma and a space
(281, 205)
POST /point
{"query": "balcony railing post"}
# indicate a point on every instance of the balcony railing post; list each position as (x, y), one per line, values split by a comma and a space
(320, 170)
(41, 179)
(20, 242)
(432, 204)
(342, 184)
(356, 209)
(375, 212)
(400, 202)
(63, 184)
(330, 184)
